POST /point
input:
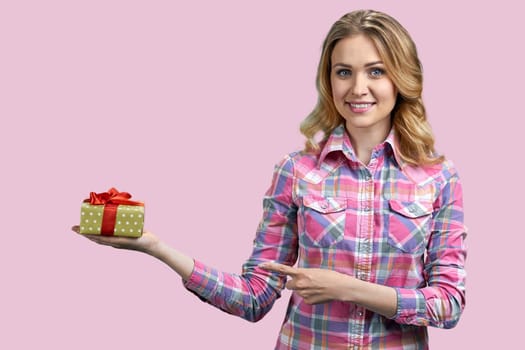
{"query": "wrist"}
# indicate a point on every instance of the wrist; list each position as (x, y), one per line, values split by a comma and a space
(377, 298)
(148, 244)
(350, 289)
(154, 248)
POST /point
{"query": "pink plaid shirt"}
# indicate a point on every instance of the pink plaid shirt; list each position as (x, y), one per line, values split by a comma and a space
(386, 223)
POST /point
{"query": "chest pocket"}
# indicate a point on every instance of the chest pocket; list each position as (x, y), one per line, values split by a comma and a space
(323, 220)
(408, 225)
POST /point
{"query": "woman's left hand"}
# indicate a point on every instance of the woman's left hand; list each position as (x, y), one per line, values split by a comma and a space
(314, 285)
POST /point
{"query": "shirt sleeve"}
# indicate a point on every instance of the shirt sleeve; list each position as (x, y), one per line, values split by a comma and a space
(441, 302)
(252, 293)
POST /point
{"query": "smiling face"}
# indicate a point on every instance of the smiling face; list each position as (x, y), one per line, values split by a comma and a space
(363, 94)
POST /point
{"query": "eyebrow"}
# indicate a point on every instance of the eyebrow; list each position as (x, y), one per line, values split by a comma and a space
(350, 66)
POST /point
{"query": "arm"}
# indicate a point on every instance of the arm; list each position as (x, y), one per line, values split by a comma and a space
(322, 285)
(441, 302)
(251, 294)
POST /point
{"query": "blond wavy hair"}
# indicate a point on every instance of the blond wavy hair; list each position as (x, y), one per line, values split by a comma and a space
(415, 142)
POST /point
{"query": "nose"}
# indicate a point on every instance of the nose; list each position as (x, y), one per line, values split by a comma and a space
(359, 85)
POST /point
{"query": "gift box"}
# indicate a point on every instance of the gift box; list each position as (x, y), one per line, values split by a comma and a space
(111, 213)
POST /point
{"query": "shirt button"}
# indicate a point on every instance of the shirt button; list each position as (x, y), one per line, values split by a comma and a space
(324, 205)
(359, 313)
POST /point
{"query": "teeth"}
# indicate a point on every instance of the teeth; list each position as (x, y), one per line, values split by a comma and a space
(360, 105)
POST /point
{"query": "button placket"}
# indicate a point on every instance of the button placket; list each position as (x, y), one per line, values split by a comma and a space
(363, 257)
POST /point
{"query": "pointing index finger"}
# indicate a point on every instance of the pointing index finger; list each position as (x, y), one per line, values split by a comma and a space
(279, 268)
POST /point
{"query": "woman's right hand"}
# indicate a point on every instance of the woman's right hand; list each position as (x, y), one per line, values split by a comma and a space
(146, 243)
(150, 244)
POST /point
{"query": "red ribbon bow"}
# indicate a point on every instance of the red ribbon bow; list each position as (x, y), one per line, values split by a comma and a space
(111, 200)
(112, 196)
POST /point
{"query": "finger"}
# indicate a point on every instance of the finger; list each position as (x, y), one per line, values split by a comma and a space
(280, 268)
(97, 239)
(298, 284)
(91, 237)
(104, 240)
(291, 285)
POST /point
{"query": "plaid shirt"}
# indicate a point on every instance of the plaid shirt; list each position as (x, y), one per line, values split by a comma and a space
(386, 223)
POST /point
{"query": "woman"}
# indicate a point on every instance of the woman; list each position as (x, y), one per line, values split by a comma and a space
(372, 216)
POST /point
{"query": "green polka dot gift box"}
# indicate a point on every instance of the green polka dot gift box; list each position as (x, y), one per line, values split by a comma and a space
(112, 213)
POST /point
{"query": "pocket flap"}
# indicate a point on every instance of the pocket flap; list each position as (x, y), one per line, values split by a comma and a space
(325, 204)
(411, 209)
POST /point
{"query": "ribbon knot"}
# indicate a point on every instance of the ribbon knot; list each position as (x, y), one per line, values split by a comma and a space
(112, 196)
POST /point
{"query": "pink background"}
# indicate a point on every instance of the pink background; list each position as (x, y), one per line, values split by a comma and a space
(164, 100)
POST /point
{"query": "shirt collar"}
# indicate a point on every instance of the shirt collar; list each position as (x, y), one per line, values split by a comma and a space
(338, 140)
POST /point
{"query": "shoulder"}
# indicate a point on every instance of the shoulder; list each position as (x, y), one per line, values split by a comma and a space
(439, 173)
(298, 161)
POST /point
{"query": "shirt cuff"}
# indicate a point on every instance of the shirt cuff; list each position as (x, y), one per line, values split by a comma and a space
(411, 307)
(202, 281)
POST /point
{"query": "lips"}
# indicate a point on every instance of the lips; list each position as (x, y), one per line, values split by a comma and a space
(360, 107)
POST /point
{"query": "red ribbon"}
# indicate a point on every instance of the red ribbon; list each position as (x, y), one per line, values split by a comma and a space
(111, 200)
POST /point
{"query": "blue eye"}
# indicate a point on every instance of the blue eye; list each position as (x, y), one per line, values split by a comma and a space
(343, 73)
(377, 72)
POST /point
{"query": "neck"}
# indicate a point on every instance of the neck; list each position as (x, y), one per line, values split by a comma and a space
(364, 140)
